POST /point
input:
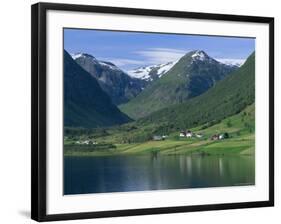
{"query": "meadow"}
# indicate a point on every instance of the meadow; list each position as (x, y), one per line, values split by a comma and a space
(133, 140)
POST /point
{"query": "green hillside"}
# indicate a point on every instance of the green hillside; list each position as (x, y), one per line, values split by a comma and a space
(194, 73)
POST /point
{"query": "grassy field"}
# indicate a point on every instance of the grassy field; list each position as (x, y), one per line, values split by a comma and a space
(242, 145)
(240, 128)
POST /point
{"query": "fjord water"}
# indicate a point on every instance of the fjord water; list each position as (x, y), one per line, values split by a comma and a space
(155, 172)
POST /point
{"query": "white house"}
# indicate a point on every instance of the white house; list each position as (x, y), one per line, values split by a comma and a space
(182, 134)
(188, 134)
(86, 142)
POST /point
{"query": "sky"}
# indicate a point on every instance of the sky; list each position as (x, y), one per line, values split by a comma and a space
(130, 50)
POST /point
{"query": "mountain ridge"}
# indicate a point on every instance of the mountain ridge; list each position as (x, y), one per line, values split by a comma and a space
(85, 103)
(115, 82)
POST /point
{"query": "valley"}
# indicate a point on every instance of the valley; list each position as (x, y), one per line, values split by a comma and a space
(224, 104)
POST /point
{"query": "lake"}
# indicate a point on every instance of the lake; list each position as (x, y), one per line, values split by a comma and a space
(155, 172)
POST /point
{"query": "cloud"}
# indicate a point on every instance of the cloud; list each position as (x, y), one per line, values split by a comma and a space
(169, 50)
(150, 56)
(161, 55)
(125, 62)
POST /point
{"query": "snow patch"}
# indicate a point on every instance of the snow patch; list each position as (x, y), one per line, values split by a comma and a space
(231, 62)
(108, 65)
(199, 55)
(77, 55)
(164, 68)
(83, 55)
(144, 72)
(141, 73)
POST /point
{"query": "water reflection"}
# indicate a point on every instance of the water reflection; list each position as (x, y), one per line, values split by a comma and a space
(155, 172)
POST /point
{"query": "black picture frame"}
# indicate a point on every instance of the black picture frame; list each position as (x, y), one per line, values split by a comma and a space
(38, 108)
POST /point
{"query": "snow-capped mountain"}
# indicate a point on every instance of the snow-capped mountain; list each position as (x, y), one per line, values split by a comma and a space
(192, 75)
(94, 60)
(152, 72)
(123, 86)
(117, 84)
(202, 56)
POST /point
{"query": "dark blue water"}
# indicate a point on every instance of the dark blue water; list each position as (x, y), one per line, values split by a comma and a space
(139, 173)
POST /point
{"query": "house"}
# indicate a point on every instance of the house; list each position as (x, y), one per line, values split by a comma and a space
(182, 134)
(215, 137)
(188, 134)
(199, 135)
(223, 136)
(86, 142)
(220, 136)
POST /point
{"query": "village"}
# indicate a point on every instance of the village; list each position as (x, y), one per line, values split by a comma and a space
(86, 142)
(190, 134)
(182, 134)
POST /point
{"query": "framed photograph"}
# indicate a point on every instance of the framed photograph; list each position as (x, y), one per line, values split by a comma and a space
(139, 111)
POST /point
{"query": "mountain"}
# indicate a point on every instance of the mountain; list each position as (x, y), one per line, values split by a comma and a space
(152, 72)
(85, 103)
(191, 76)
(228, 97)
(116, 83)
